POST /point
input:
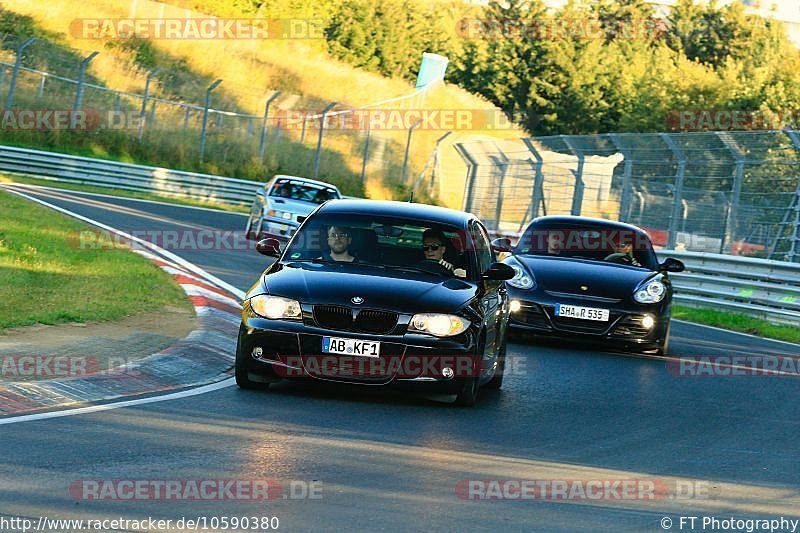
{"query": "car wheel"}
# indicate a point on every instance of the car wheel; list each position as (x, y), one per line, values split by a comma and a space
(664, 348)
(240, 372)
(468, 392)
(497, 380)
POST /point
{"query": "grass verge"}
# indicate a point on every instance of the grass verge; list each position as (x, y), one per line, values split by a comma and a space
(126, 194)
(46, 279)
(737, 322)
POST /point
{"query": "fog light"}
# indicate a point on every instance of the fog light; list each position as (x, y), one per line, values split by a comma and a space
(447, 372)
(515, 306)
(648, 321)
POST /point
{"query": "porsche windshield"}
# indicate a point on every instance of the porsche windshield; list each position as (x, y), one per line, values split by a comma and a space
(382, 242)
(600, 243)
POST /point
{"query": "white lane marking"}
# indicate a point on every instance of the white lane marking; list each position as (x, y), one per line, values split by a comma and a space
(174, 258)
(101, 195)
(723, 330)
(117, 405)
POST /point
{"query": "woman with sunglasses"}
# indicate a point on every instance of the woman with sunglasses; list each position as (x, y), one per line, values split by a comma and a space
(434, 247)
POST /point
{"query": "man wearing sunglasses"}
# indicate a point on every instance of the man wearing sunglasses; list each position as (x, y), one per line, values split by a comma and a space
(434, 247)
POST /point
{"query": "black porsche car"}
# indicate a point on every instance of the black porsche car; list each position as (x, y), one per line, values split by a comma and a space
(379, 293)
(592, 279)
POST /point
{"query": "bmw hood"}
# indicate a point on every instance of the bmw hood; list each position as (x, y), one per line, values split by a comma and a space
(568, 275)
(403, 291)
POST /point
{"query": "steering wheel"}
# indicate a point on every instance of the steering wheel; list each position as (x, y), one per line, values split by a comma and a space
(433, 266)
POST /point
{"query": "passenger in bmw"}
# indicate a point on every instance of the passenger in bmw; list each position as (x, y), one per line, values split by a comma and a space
(434, 246)
(339, 241)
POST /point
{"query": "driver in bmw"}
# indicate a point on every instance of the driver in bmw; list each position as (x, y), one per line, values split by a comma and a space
(339, 241)
(433, 246)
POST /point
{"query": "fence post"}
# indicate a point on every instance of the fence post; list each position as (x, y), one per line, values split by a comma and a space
(625, 200)
(577, 196)
(503, 171)
(679, 177)
(15, 72)
(733, 213)
(408, 146)
(319, 138)
(262, 145)
(206, 105)
(472, 172)
(40, 91)
(794, 253)
(437, 159)
(186, 118)
(145, 96)
(366, 154)
(79, 91)
(303, 131)
(537, 196)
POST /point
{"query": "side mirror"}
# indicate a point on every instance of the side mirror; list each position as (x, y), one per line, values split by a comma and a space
(501, 245)
(498, 272)
(270, 247)
(672, 265)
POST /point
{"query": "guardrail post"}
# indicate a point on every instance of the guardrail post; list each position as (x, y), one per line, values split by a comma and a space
(537, 195)
(319, 138)
(15, 72)
(408, 147)
(143, 112)
(366, 154)
(79, 91)
(472, 174)
(733, 213)
(262, 145)
(625, 200)
(577, 196)
(680, 174)
(206, 105)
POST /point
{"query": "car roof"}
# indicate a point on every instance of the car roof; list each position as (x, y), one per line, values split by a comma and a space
(555, 220)
(420, 212)
(305, 180)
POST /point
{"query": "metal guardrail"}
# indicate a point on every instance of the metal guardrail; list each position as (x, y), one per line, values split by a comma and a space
(112, 174)
(755, 287)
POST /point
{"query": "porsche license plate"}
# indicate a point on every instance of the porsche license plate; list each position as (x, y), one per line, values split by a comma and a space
(351, 347)
(583, 313)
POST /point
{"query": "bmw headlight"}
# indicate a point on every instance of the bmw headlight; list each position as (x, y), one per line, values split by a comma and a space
(437, 324)
(653, 292)
(276, 307)
(521, 279)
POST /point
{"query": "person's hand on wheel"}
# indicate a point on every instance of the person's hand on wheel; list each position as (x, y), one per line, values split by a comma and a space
(460, 273)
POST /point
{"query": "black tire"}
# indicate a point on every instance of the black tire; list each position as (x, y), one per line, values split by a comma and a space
(241, 375)
(497, 380)
(468, 392)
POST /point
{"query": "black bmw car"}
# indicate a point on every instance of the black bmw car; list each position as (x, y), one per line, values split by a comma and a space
(593, 279)
(379, 293)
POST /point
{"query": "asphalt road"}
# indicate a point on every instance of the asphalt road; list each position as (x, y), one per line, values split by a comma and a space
(380, 460)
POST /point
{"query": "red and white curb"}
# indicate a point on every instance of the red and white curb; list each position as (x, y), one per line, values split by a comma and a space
(204, 357)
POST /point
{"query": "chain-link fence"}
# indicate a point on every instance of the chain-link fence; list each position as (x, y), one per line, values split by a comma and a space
(47, 90)
(722, 192)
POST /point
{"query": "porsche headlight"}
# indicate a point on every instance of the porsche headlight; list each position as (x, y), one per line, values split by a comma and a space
(651, 293)
(521, 279)
(275, 307)
(437, 324)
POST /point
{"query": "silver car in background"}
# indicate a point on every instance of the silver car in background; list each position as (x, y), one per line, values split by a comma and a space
(283, 203)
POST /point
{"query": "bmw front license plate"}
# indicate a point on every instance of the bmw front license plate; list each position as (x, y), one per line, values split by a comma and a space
(351, 347)
(583, 313)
